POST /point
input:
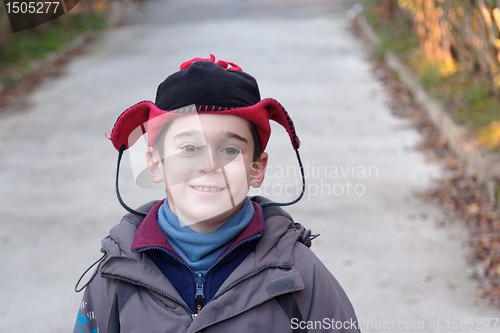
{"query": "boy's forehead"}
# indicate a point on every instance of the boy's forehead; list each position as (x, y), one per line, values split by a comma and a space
(207, 125)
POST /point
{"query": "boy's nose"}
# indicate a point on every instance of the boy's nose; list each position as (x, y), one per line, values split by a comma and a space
(209, 163)
(212, 159)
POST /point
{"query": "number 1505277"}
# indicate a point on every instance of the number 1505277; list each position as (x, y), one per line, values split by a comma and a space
(31, 7)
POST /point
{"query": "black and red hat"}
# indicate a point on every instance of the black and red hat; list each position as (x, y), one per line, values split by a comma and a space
(202, 86)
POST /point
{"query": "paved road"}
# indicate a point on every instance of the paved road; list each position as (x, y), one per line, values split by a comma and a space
(402, 271)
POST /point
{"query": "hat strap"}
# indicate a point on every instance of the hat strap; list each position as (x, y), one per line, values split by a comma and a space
(268, 204)
(124, 205)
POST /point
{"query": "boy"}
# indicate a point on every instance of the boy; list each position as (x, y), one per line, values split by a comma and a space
(208, 258)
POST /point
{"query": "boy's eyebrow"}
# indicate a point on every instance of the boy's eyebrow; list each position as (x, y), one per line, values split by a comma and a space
(233, 135)
(227, 134)
(189, 133)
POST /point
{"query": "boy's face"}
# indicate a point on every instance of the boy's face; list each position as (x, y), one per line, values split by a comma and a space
(207, 168)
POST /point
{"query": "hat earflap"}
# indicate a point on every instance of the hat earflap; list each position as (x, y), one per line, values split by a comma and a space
(124, 134)
(124, 131)
(278, 114)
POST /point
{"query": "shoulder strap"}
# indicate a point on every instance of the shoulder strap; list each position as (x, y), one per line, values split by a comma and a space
(122, 294)
(289, 305)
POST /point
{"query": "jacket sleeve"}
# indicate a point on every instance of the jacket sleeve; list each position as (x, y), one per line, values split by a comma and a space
(323, 299)
(86, 319)
(93, 314)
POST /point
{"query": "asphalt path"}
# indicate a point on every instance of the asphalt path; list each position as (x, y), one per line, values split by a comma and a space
(402, 271)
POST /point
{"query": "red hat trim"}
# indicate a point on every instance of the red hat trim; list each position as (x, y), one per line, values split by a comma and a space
(124, 132)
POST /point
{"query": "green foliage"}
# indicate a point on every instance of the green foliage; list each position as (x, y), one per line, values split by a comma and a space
(9, 81)
(382, 48)
(497, 193)
(478, 114)
(396, 32)
(468, 97)
(430, 75)
(408, 5)
(477, 94)
(35, 43)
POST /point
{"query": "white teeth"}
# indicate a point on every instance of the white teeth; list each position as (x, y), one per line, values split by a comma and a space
(207, 189)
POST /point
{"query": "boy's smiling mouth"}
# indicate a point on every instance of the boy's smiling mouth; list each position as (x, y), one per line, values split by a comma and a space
(206, 189)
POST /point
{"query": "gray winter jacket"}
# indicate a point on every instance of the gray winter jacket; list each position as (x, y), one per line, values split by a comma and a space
(130, 294)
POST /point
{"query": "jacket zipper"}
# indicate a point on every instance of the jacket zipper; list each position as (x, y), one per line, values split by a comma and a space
(199, 299)
(200, 280)
(170, 254)
(254, 237)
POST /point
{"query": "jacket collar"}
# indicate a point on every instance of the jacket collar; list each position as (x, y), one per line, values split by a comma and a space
(150, 236)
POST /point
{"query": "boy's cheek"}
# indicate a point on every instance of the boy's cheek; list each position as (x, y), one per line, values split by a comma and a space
(179, 173)
(238, 183)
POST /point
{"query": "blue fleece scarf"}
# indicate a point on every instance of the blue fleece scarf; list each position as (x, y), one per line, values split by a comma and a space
(201, 250)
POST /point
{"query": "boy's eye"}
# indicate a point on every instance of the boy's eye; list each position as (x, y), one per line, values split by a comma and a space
(190, 148)
(230, 151)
